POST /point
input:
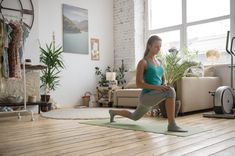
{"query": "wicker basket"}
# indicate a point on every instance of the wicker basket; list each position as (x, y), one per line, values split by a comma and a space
(86, 99)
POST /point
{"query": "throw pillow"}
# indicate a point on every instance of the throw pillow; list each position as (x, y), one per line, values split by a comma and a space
(195, 71)
(131, 83)
(209, 71)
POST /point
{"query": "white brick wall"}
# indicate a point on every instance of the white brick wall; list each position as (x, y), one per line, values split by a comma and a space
(128, 17)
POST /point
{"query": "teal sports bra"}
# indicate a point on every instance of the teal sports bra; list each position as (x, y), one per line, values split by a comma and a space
(153, 75)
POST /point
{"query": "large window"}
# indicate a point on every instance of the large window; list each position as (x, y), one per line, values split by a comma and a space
(199, 25)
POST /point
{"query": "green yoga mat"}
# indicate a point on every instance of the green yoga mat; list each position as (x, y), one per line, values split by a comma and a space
(154, 127)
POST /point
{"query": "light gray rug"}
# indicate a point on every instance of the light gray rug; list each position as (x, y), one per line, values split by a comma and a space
(78, 113)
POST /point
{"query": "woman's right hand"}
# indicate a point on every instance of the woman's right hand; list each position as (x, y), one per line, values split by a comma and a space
(162, 88)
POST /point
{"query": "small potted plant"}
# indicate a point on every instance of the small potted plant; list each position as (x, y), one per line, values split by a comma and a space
(102, 77)
(51, 57)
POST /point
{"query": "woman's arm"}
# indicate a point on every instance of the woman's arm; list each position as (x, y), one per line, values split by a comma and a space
(164, 82)
(140, 83)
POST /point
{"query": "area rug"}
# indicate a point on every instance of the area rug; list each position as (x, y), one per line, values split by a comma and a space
(78, 113)
(154, 127)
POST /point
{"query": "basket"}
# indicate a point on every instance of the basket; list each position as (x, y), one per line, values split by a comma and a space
(86, 99)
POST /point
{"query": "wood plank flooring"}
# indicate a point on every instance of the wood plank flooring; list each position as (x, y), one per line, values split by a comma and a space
(67, 137)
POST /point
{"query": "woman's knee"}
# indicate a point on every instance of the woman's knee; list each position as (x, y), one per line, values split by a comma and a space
(135, 117)
(171, 93)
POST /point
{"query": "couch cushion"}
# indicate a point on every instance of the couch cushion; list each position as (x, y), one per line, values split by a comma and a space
(128, 92)
(209, 71)
(131, 83)
(195, 71)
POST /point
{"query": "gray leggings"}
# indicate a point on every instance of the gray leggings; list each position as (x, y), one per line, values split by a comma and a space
(150, 99)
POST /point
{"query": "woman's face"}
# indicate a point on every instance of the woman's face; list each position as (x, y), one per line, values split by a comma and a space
(155, 47)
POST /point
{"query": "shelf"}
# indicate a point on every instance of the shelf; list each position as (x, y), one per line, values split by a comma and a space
(34, 67)
(39, 103)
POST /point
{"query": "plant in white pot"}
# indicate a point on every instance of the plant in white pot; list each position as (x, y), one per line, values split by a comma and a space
(51, 57)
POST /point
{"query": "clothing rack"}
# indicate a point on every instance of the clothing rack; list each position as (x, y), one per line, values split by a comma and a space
(22, 11)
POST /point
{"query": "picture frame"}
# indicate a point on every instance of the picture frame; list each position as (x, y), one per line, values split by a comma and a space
(75, 30)
(95, 52)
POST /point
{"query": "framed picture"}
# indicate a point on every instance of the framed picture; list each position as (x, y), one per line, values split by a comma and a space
(75, 29)
(95, 52)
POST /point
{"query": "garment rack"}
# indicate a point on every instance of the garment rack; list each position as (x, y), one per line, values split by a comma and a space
(24, 77)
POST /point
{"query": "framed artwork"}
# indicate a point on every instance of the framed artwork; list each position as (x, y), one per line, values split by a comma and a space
(95, 52)
(75, 29)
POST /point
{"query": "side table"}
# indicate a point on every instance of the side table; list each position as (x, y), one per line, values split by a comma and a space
(104, 95)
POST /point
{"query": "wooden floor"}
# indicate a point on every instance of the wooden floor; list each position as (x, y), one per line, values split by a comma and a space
(68, 137)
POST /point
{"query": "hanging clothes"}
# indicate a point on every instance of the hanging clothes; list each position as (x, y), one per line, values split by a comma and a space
(7, 39)
(13, 51)
(12, 38)
(1, 46)
(25, 34)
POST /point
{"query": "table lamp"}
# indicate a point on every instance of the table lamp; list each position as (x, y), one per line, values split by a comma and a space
(111, 77)
(212, 55)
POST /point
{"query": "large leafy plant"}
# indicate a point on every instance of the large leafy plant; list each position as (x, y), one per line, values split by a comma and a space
(51, 56)
(176, 64)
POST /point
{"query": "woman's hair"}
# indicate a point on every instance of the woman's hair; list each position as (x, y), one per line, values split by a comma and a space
(150, 42)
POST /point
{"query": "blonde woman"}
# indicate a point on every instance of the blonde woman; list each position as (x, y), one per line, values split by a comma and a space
(150, 77)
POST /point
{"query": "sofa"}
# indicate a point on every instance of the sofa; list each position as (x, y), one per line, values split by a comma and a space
(127, 97)
(193, 92)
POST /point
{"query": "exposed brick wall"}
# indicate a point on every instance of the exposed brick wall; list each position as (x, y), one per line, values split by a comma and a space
(128, 19)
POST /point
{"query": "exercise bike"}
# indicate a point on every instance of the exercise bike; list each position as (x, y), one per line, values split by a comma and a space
(224, 96)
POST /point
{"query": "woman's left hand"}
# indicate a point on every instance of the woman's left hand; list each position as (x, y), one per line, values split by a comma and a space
(165, 87)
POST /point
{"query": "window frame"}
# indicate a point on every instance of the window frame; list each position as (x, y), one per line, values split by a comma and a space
(182, 27)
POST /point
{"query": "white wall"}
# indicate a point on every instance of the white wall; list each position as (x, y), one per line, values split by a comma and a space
(79, 75)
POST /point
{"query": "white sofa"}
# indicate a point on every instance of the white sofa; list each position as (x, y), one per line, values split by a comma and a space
(193, 92)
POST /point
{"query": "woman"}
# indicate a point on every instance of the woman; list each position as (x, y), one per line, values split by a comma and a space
(150, 77)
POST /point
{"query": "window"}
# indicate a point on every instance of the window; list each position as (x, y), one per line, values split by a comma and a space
(171, 39)
(199, 25)
(206, 9)
(161, 7)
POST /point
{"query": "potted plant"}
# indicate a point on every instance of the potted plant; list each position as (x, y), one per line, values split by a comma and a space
(102, 76)
(120, 75)
(176, 63)
(51, 57)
